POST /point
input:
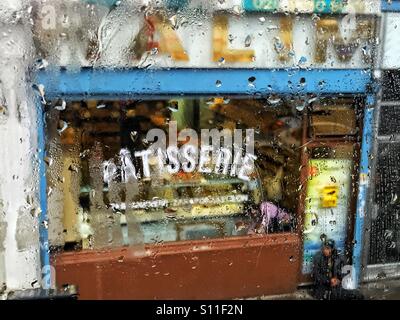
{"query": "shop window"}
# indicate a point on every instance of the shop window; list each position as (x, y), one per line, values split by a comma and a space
(115, 177)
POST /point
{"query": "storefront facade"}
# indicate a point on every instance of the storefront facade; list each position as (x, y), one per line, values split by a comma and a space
(381, 251)
(286, 86)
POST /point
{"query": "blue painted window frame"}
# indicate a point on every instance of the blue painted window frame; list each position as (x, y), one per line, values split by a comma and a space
(393, 6)
(128, 83)
(156, 83)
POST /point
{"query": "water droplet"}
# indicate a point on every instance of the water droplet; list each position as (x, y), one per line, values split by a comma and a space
(302, 60)
(3, 112)
(312, 99)
(48, 161)
(278, 45)
(73, 167)
(42, 64)
(41, 89)
(173, 21)
(145, 142)
(273, 100)
(394, 198)
(247, 41)
(173, 106)
(272, 27)
(133, 135)
(61, 106)
(62, 125)
(251, 81)
(237, 9)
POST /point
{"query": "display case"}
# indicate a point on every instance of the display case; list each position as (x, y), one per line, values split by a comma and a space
(192, 208)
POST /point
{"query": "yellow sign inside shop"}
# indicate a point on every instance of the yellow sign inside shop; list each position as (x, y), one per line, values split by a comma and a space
(330, 196)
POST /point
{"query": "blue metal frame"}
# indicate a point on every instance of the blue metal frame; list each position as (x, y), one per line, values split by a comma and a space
(366, 148)
(151, 83)
(43, 231)
(393, 6)
(101, 84)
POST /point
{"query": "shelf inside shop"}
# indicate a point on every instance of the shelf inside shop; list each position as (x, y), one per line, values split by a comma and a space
(196, 183)
(195, 212)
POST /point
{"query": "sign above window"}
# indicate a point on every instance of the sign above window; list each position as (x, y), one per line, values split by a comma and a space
(134, 35)
(301, 6)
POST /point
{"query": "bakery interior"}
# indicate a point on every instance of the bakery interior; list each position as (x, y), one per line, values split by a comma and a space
(81, 135)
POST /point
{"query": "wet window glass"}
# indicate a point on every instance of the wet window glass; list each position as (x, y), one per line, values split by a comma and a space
(244, 148)
(153, 171)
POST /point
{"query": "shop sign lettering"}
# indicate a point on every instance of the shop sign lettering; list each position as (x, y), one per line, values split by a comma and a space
(329, 41)
(234, 158)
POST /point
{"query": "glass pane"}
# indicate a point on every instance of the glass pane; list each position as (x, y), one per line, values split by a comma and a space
(118, 178)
